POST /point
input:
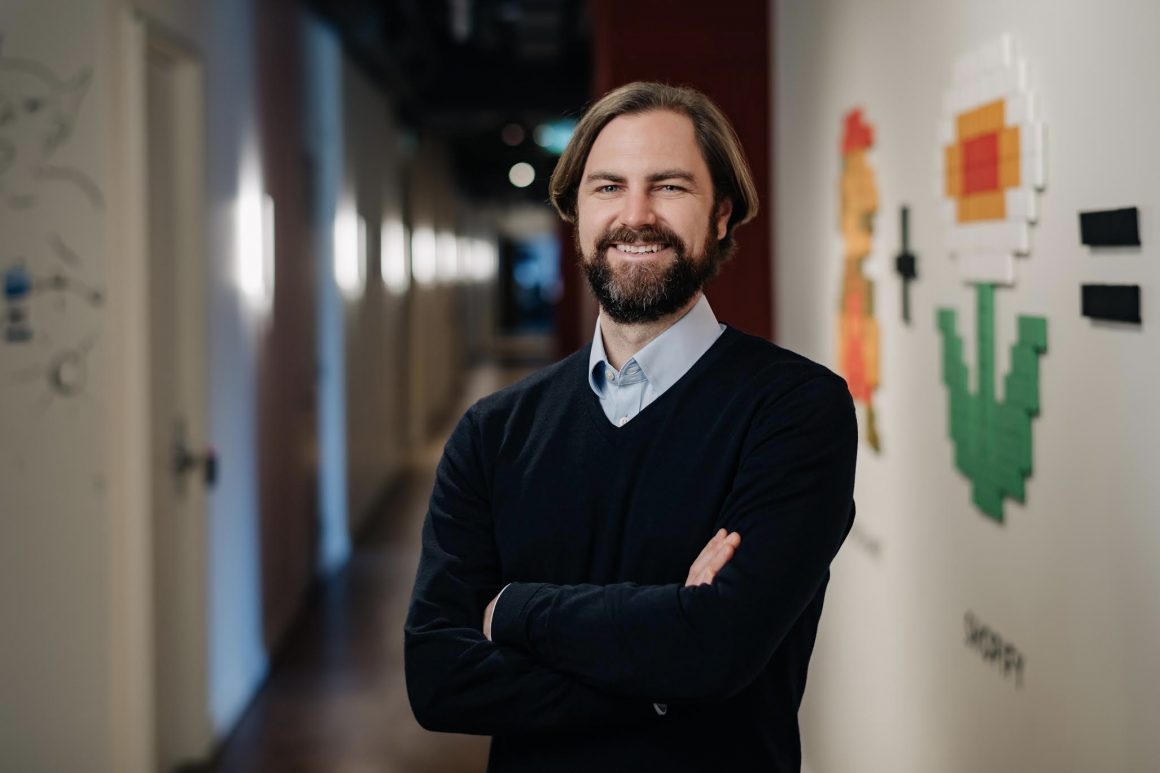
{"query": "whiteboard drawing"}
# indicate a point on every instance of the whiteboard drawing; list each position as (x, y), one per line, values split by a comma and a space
(50, 217)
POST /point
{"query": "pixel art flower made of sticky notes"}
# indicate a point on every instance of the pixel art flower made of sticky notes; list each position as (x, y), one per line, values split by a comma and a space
(991, 167)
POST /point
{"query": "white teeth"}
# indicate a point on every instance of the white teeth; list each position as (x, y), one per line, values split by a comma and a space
(635, 250)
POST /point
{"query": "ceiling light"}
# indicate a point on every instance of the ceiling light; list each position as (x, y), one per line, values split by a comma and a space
(522, 174)
(512, 134)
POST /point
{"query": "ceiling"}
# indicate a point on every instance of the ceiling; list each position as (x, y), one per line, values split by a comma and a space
(461, 70)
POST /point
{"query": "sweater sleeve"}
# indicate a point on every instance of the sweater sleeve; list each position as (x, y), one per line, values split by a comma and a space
(458, 681)
(792, 503)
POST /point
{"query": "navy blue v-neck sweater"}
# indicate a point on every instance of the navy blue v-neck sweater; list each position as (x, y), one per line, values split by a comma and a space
(596, 527)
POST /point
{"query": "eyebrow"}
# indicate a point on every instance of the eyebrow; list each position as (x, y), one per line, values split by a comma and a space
(609, 176)
(655, 177)
(672, 174)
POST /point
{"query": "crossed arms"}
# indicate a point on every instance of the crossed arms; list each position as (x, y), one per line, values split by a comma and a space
(711, 560)
(573, 657)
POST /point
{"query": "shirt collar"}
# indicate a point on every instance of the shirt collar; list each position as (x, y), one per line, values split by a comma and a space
(668, 356)
(597, 358)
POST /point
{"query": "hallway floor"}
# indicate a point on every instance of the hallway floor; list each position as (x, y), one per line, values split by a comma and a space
(336, 702)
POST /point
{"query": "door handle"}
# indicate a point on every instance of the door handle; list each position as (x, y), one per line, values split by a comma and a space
(185, 460)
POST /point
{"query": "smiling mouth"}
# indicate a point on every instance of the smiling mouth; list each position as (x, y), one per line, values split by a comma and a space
(640, 249)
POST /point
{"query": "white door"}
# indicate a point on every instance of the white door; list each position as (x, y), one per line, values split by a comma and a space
(182, 464)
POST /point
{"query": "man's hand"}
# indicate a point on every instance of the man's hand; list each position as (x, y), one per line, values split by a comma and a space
(715, 555)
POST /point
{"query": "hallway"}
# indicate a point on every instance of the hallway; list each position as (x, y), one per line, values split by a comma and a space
(336, 702)
(253, 250)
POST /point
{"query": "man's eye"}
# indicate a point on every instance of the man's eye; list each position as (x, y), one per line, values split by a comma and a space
(609, 188)
(671, 188)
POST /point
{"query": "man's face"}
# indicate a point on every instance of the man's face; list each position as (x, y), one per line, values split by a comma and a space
(647, 230)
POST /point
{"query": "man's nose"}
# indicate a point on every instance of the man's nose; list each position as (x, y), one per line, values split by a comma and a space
(638, 210)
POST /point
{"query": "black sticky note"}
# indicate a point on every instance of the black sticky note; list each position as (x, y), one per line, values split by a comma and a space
(1110, 228)
(904, 265)
(1117, 303)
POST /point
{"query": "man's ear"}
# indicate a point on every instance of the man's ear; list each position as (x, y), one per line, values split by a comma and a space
(724, 211)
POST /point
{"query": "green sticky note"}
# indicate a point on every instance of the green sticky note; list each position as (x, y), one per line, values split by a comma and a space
(1033, 332)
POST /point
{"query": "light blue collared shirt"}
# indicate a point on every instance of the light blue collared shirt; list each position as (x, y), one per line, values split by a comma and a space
(655, 368)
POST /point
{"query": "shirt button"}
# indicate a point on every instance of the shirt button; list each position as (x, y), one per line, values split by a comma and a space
(608, 374)
(623, 420)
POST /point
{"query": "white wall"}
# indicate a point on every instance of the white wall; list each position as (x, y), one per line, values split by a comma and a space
(237, 652)
(375, 331)
(76, 682)
(435, 321)
(54, 506)
(324, 138)
(74, 597)
(1072, 577)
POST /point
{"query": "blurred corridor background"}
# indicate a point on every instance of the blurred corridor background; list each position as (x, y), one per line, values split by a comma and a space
(258, 256)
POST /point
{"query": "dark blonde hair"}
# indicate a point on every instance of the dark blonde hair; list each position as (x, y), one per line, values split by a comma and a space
(715, 136)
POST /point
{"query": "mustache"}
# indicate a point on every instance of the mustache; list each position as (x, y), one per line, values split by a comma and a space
(648, 234)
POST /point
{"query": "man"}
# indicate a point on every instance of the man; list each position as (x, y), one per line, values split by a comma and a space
(584, 595)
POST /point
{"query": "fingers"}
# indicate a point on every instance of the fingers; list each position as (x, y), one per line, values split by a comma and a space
(487, 618)
(716, 563)
(707, 552)
(721, 557)
(710, 548)
(713, 558)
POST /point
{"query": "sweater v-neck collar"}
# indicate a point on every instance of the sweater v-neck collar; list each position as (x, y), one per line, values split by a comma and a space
(647, 415)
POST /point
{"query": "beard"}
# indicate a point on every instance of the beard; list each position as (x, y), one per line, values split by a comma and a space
(645, 291)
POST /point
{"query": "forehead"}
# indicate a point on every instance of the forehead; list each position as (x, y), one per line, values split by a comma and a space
(645, 142)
